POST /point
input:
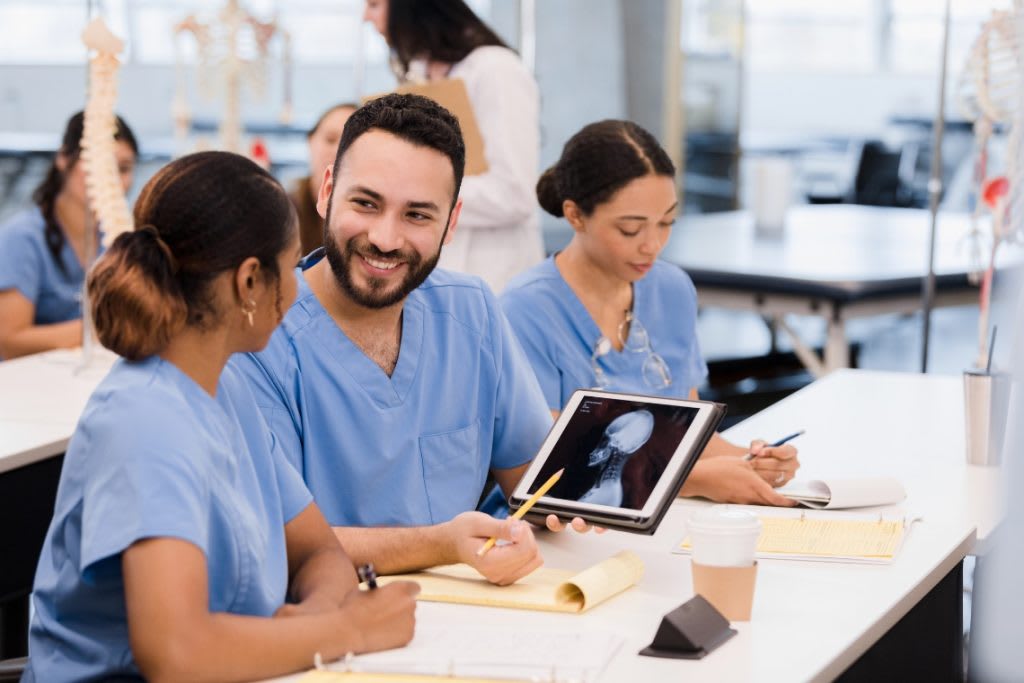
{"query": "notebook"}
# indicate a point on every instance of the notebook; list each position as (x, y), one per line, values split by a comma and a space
(546, 590)
(834, 494)
(871, 540)
(479, 652)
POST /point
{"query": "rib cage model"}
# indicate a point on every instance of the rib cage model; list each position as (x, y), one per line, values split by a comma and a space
(102, 178)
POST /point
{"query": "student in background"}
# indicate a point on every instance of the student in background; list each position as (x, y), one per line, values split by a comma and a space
(183, 545)
(606, 313)
(42, 250)
(323, 145)
(499, 229)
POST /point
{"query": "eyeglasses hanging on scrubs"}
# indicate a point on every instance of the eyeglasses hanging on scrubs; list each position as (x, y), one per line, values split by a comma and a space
(655, 369)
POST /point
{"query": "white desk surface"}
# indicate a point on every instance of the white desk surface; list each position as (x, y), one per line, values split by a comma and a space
(811, 620)
(871, 423)
(41, 398)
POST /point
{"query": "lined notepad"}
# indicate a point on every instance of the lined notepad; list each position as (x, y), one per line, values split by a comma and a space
(874, 540)
(481, 652)
(550, 590)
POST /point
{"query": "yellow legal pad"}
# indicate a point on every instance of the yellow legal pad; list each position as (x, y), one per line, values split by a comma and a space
(547, 590)
(818, 538)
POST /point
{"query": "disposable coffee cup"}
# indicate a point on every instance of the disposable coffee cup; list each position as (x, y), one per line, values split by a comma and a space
(724, 542)
(986, 398)
(724, 536)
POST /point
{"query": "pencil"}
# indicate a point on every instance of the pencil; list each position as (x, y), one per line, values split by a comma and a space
(524, 509)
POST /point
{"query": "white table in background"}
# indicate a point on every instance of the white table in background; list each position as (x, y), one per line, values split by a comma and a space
(835, 262)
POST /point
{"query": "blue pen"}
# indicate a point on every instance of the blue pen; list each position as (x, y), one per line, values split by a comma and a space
(786, 439)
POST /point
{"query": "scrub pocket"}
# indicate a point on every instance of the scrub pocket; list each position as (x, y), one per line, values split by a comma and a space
(452, 471)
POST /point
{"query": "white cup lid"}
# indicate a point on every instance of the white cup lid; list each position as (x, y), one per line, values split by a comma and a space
(724, 519)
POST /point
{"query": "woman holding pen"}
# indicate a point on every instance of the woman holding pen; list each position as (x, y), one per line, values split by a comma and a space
(183, 546)
(606, 313)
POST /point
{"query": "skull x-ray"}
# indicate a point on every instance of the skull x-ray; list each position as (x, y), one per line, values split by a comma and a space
(614, 451)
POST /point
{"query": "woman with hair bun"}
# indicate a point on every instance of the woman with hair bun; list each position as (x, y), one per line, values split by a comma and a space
(183, 545)
(605, 313)
(42, 250)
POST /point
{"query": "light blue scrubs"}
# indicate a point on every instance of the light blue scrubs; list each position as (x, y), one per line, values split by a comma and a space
(155, 456)
(413, 448)
(559, 335)
(27, 265)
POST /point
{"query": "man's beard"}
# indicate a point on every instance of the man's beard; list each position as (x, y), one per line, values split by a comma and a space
(375, 294)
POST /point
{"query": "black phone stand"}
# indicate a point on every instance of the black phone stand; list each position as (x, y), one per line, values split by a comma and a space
(690, 631)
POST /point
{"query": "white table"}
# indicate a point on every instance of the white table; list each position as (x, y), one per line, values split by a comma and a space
(835, 262)
(811, 620)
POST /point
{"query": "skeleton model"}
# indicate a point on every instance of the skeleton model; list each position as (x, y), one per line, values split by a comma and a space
(989, 91)
(234, 50)
(102, 178)
(622, 438)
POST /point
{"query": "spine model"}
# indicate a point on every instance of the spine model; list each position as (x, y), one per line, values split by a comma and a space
(102, 179)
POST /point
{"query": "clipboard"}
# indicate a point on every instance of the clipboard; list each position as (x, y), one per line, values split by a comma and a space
(451, 94)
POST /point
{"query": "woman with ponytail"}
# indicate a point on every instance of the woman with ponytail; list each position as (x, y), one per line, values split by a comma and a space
(183, 545)
(42, 250)
(606, 313)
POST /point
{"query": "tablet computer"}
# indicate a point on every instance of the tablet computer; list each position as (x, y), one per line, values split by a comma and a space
(625, 458)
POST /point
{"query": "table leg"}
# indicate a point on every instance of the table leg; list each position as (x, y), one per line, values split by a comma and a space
(837, 348)
(806, 354)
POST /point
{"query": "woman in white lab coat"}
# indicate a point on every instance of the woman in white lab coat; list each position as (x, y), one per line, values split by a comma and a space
(499, 228)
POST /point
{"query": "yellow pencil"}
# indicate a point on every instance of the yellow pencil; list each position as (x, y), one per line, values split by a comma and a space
(524, 509)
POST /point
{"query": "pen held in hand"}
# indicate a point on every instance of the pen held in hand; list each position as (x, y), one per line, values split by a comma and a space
(367, 575)
(786, 439)
(524, 509)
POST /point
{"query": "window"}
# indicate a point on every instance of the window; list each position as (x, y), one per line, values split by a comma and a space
(322, 31)
(810, 35)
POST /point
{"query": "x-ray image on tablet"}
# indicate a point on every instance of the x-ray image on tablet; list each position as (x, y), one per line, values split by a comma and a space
(621, 453)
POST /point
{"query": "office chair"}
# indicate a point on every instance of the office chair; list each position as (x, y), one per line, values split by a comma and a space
(884, 175)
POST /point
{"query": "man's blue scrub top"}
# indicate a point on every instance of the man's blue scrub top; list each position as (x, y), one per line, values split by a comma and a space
(414, 448)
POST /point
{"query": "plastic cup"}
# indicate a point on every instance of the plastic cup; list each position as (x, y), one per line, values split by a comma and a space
(986, 397)
(724, 536)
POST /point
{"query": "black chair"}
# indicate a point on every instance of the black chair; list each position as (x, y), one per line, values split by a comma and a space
(884, 176)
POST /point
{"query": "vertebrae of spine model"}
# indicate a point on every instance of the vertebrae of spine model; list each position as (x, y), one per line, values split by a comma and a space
(102, 177)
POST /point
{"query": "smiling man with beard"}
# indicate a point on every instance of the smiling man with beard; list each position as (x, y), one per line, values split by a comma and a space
(394, 387)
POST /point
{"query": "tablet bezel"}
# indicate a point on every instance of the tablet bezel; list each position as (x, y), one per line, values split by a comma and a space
(708, 416)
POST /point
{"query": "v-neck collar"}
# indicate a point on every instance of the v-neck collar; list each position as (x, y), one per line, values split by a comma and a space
(584, 322)
(383, 390)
